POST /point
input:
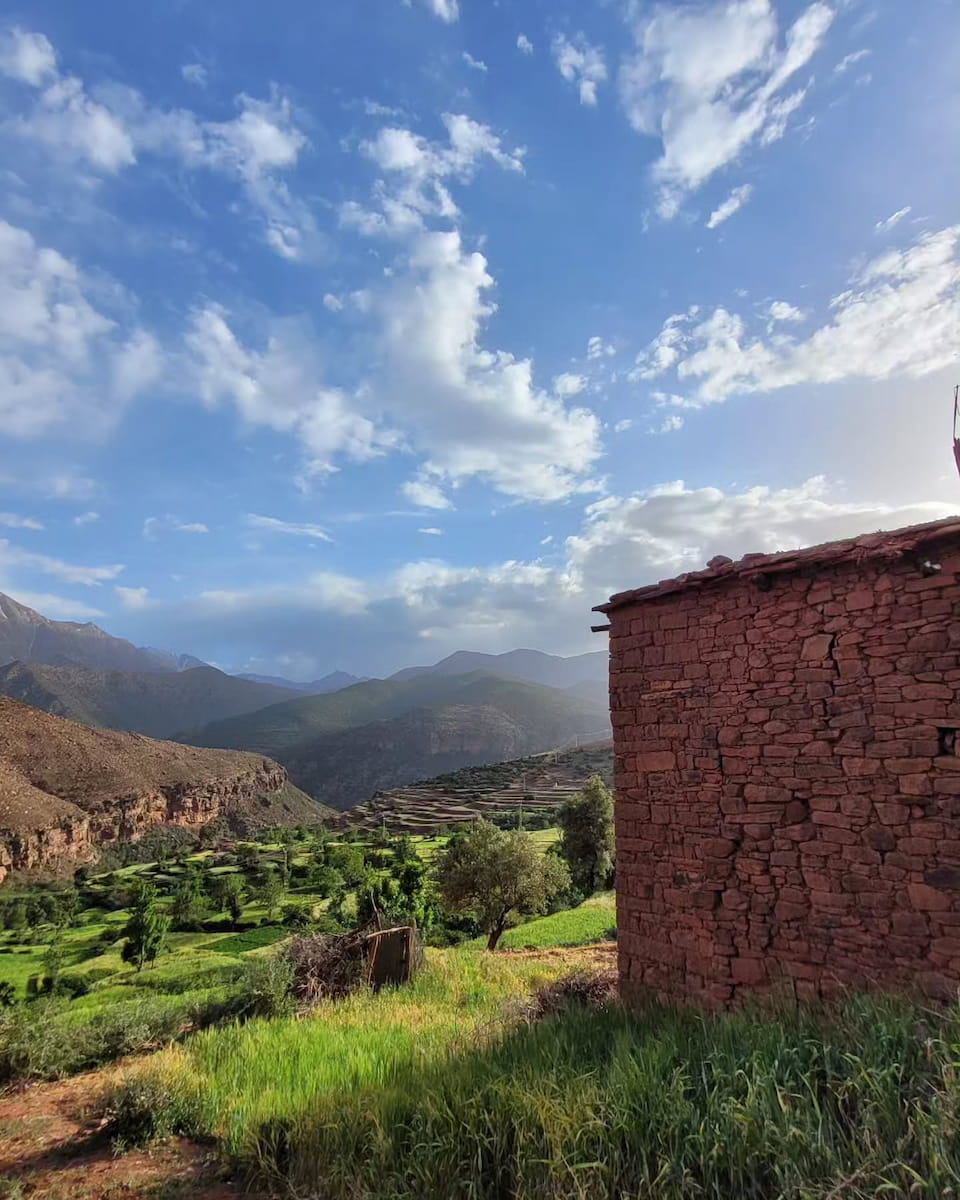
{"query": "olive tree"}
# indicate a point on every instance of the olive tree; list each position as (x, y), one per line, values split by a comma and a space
(586, 836)
(495, 874)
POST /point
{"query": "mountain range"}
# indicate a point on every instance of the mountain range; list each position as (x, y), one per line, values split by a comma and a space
(385, 732)
(66, 790)
(158, 703)
(329, 683)
(533, 666)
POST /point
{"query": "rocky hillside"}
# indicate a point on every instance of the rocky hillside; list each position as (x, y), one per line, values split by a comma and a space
(530, 666)
(156, 703)
(26, 636)
(66, 790)
(343, 769)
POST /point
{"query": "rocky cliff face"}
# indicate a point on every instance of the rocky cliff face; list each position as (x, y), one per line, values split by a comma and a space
(67, 791)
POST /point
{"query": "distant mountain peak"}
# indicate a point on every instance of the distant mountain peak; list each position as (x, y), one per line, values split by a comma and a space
(532, 666)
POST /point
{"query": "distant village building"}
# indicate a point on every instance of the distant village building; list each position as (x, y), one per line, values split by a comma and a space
(787, 767)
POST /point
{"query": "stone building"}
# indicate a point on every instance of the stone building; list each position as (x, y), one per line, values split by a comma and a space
(788, 771)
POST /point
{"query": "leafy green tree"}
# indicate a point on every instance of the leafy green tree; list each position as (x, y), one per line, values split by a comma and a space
(495, 875)
(52, 966)
(228, 892)
(586, 836)
(272, 894)
(189, 906)
(16, 915)
(147, 927)
(8, 995)
(348, 860)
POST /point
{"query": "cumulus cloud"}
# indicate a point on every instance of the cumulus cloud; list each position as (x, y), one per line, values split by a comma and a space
(61, 359)
(332, 302)
(109, 127)
(598, 348)
(133, 598)
(86, 518)
(581, 64)
(780, 310)
(899, 316)
(710, 80)
(27, 57)
(297, 529)
(154, 526)
(432, 530)
(524, 45)
(469, 410)
(13, 521)
(446, 10)
(569, 384)
(733, 203)
(280, 386)
(475, 64)
(624, 542)
(425, 494)
(894, 219)
(414, 184)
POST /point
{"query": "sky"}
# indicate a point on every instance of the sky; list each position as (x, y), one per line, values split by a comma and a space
(346, 335)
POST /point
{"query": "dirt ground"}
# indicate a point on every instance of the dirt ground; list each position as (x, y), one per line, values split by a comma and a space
(52, 1148)
(601, 956)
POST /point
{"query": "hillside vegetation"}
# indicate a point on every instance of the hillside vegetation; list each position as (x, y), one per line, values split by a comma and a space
(158, 704)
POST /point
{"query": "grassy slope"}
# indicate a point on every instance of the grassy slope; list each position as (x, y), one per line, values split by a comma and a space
(426, 1092)
(593, 921)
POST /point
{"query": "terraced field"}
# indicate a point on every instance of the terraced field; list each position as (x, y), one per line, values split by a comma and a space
(535, 785)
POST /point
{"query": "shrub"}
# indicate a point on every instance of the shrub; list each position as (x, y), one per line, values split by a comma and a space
(266, 987)
(580, 989)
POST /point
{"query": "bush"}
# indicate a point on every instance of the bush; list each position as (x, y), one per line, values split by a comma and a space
(266, 987)
(580, 989)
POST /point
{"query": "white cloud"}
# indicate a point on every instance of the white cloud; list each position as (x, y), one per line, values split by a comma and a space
(580, 64)
(524, 45)
(415, 170)
(892, 220)
(624, 542)
(733, 203)
(598, 348)
(153, 526)
(68, 486)
(848, 60)
(546, 540)
(568, 384)
(14, 556)
(425, 494)
(133, 598)
(623, 426)
(27, 57)
(432, 531)
(108, 129)
(274, 525)
(780, 310)
(708, 81)
(900, 316)
(475, 64)
(470, 410)
(281, 387)
(13, 521)
(332, 302)
(86, 518)
(61, 360)
(195, 73)
(57, 608)
(446, 10)
(671, 424)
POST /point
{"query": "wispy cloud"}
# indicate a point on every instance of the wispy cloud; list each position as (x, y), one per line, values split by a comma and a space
(154, 526)
(13, 521)
(733, 203)
(296, 529)
(894, 219)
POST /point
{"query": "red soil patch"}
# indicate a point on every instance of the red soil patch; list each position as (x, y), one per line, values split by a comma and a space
(52, 1147)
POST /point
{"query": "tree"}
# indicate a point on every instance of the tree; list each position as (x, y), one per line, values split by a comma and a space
(189, 906)
(272, 894)
(147, 927)
(494, 874)
(228, 893)
(586, 836)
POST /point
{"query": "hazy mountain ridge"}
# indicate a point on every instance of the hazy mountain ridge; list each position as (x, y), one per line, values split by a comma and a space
(333, 682)
(532, 666)
(158, 703)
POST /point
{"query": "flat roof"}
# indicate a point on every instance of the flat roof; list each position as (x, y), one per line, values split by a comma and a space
(884, 544)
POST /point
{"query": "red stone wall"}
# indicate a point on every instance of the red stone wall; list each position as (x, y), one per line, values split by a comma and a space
(788, 782)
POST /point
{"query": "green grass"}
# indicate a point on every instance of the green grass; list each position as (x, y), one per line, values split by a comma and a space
(417, 1094)
(593, 921)
(249, 939)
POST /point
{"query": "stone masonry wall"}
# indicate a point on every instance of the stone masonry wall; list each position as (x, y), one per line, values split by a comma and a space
(787, 766)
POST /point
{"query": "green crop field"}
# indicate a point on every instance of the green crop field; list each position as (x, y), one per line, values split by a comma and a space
(593, 921)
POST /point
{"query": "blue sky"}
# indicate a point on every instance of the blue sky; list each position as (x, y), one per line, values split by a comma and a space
(345, 335)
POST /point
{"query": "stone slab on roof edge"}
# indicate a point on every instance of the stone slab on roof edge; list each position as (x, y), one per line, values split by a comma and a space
(890, 544)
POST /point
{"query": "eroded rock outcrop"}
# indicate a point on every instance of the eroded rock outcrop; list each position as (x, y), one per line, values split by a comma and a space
(66, 791)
